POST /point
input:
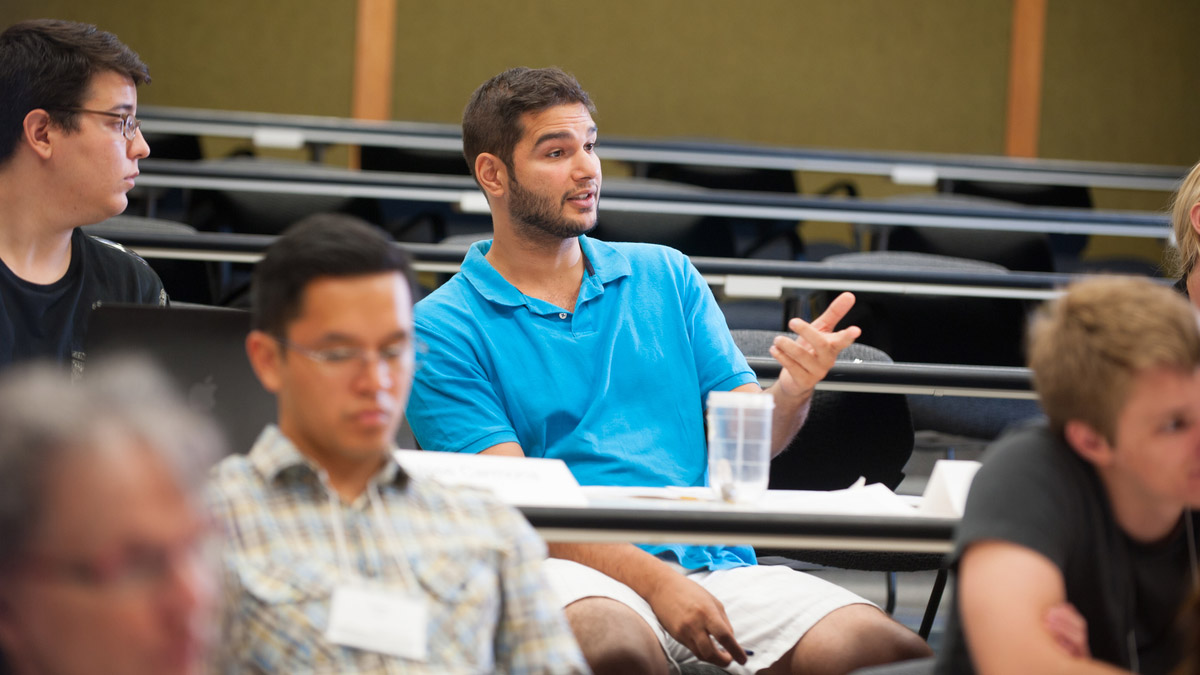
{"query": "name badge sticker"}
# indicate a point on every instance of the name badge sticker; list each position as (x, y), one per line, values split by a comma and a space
(379, 620)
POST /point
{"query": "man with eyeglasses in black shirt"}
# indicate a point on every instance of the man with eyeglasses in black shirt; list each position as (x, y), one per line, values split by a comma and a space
(69, 151)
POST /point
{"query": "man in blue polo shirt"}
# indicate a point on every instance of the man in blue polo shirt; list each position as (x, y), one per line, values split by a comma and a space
(551, 344)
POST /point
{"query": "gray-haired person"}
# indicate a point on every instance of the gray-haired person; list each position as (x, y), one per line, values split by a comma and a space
(102, 538)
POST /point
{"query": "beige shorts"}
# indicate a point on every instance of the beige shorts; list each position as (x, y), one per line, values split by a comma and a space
(770, 606)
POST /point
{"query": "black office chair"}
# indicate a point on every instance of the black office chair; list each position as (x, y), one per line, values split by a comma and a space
(944, 329)
(1024, 251)
(245, 212)
(847, 434)
(1065, 246)
(270, 213)
(167, 203)
(406, 221)
(173, 146)
(412, 160)
(692, 235)
(752, 180)
(186, 281)
(934, 328)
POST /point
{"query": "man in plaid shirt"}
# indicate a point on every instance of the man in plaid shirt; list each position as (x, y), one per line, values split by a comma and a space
(337, 561)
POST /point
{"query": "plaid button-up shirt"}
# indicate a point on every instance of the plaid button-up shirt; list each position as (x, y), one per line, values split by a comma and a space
(477, 563)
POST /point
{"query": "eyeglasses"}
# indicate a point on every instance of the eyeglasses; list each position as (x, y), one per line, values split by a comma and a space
(129, 123)
(142, 568)
(351, 359)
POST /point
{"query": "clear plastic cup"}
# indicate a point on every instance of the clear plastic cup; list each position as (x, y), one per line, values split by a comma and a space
(739, 444)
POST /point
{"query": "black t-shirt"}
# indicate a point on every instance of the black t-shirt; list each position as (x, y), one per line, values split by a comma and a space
(50, 320)
(1034, 491)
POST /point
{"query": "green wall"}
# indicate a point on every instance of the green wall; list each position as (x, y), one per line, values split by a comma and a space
(883, 75)
(1121, 78)
(1122, 81)
(294, 56)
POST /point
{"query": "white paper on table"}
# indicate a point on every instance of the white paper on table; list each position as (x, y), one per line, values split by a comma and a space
(621, 496)
(519, 481)
(858, 499)
(949, 483)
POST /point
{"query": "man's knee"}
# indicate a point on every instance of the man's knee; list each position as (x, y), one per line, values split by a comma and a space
(853, 637)
(614, 638)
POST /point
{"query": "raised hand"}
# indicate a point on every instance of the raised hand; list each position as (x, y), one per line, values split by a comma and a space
(807, 358)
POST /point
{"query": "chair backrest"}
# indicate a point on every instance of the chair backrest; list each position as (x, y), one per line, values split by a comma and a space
(173, 146)
(742, 179)
(944, 329)
(725, 177)
(1074, 196)
(693, 235)
(407, 160)
(970, 418)
(846, 435)
(934, 328)
(1024, 251)
(269, 213)
(1027, 251)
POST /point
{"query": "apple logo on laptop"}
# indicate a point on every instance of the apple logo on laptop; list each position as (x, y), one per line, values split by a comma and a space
(202, 396)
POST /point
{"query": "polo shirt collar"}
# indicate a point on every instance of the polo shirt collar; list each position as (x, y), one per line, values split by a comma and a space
(605, 263)
(274, 456)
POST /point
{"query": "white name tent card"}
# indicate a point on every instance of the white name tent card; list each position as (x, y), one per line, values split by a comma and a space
(520, 481)
(949, 483)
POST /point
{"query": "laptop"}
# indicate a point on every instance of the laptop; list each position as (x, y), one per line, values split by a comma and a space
(203, 349)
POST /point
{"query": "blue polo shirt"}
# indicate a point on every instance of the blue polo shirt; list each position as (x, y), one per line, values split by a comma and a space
(615, 389)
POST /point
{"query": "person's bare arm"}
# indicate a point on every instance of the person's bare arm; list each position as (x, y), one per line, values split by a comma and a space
(806, 360)
(505, 449)
(688, 612)
(1006, 595)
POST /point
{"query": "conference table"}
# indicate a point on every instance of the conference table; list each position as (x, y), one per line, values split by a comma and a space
(866, 526)
(727, 526)
(859, 540)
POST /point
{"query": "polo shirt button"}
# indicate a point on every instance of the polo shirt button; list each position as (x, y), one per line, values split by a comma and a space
(563, 315)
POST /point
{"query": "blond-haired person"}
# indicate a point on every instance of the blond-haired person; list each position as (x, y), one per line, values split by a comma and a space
(1185, 221)
(1077, 548)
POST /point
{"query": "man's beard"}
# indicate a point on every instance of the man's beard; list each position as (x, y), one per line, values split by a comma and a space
(539, 218)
